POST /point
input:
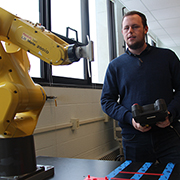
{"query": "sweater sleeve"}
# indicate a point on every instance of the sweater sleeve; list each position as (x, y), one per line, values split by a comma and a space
(109, 98)
(174, 105)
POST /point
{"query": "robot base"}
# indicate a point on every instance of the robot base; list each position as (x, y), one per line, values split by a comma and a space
(42, 172)
(18, 159)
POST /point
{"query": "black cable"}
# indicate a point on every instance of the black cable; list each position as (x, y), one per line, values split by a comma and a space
(175, 130)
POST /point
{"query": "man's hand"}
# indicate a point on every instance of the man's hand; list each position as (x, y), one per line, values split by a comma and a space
(163, 124)
(139, 127)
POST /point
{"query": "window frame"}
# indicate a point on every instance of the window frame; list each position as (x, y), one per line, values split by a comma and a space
(46, 69)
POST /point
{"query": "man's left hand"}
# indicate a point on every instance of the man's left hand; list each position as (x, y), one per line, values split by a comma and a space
(163, 124)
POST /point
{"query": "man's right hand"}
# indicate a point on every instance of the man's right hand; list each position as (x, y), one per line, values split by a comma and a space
(139, 127)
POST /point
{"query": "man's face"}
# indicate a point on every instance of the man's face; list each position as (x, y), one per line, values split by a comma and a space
(133, 31)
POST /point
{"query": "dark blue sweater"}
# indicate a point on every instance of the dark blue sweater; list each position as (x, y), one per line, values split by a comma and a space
(142, 79)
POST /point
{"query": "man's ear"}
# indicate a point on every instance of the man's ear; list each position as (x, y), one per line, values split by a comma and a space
(146, 29)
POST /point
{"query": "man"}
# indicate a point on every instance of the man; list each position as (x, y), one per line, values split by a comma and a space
(142, 75)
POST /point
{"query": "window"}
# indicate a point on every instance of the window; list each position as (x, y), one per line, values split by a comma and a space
(99, 34)
(63, 15)
(28, 11)
(83, 17)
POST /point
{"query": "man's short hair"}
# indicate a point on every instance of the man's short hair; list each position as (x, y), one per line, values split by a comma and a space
(143, 17)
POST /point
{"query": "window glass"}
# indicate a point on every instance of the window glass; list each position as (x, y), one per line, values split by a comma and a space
(67, 14)
(99, 34)
(28, 10)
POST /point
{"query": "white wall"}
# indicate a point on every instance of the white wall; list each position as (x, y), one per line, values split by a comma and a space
(54, 136)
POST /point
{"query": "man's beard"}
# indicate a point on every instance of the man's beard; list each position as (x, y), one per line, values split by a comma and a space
(136, 45)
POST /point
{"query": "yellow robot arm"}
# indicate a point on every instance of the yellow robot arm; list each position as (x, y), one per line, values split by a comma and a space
(21, 100)
(35, 39)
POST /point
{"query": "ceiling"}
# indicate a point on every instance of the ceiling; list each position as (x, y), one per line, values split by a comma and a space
(163, 17)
